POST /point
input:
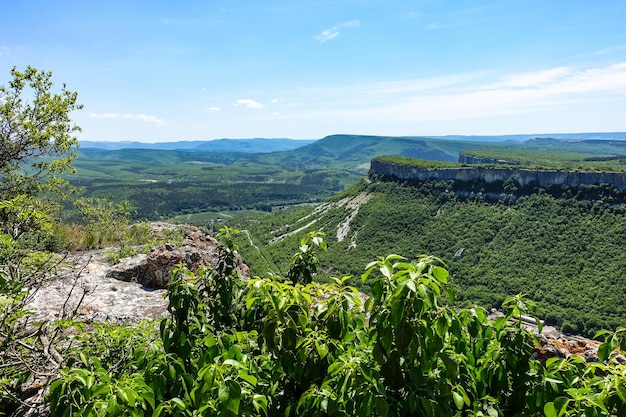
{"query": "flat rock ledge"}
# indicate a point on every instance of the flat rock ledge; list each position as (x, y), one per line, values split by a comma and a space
(133, 290)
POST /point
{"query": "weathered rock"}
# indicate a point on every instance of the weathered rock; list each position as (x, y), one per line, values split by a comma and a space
(155, 269)
(563, 346)
(83, 290)
(544, 178)
(130, 291)
(129, 269)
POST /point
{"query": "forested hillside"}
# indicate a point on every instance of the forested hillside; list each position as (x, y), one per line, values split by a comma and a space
(564, 253)
(163, 183)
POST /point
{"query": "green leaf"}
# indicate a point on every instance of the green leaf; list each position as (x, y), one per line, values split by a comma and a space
(604, 351)
(230, 395)
(252, 380)
(550, 410)
(179, 403)
(492, 412)
(601, 333)
(382, 407)
(441, 274)
(397, 311)
(553, 381)
(233, 405)
(224, 393)
(385, 336)
(322, 349)
(458, 400)
(236, 364)
(442, 326)
(260, 404)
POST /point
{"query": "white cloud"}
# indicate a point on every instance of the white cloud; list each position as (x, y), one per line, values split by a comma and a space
(136, 116)
(214, 108)
(611, 50)
(433, 26)
(249, 103)
(478, 96)
(333, 32)
(534, 79)
(552, 89)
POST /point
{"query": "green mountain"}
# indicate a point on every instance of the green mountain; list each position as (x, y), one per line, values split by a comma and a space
(559, 247)
(163, 183)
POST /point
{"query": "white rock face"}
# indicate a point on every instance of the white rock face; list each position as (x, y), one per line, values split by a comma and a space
(103, 298)
(90, 290)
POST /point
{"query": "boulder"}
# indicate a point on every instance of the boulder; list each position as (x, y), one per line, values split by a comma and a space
(155, 269)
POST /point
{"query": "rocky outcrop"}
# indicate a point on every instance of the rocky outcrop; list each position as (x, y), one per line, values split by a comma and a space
(155, 269)
(558, 346)
(523, 178)
(90, 290)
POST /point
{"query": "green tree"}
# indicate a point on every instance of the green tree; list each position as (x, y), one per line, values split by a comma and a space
(37, 144)
(37, 136)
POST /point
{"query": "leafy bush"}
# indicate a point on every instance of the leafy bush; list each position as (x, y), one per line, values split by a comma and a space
(269, 347)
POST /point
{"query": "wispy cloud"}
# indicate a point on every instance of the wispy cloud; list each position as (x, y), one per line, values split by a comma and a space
(214, 108)
(477, 95)
(333, 32)
(534, 79)
(611, 50)
(523, 93)
(136, 116)
(249, 103)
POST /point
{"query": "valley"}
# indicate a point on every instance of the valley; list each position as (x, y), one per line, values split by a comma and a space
(499, 227)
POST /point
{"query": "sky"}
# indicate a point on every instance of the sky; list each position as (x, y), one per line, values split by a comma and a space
(155, 71)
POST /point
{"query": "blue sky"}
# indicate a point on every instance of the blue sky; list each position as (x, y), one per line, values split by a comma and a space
(196, 70)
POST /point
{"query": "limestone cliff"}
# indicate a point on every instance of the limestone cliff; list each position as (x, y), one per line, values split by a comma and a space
(523, 178)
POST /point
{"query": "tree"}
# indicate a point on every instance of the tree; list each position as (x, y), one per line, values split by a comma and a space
(37, 144)
(37, 136)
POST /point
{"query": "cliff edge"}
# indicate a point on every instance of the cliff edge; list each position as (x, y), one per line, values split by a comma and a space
(522, 177)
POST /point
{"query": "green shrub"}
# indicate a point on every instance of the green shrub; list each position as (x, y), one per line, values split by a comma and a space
(271, 347)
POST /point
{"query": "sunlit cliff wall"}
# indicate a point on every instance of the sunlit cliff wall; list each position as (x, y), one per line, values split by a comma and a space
(522, 177)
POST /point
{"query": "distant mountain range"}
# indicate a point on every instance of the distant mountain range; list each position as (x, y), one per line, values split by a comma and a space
(265, 145)
(524, 137)
(256, 145)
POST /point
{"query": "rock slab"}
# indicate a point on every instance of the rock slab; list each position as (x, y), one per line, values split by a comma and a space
(155, 269)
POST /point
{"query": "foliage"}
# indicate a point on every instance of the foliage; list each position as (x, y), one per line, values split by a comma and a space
(108, 223)
(304, 263)
(323, 350)
(566, 253)
(581, 155)
(35, 123)
(28, 351)
(162, 184)
(416, 162)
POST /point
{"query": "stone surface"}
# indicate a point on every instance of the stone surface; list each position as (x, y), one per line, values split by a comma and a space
(563, 346)
(84, 287)
(155, 269)
(521, 177)
(125, 293)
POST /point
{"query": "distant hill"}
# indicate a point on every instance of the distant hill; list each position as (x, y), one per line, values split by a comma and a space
(561, 249)
(168, 182)
(257, 145)
(524, 137)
